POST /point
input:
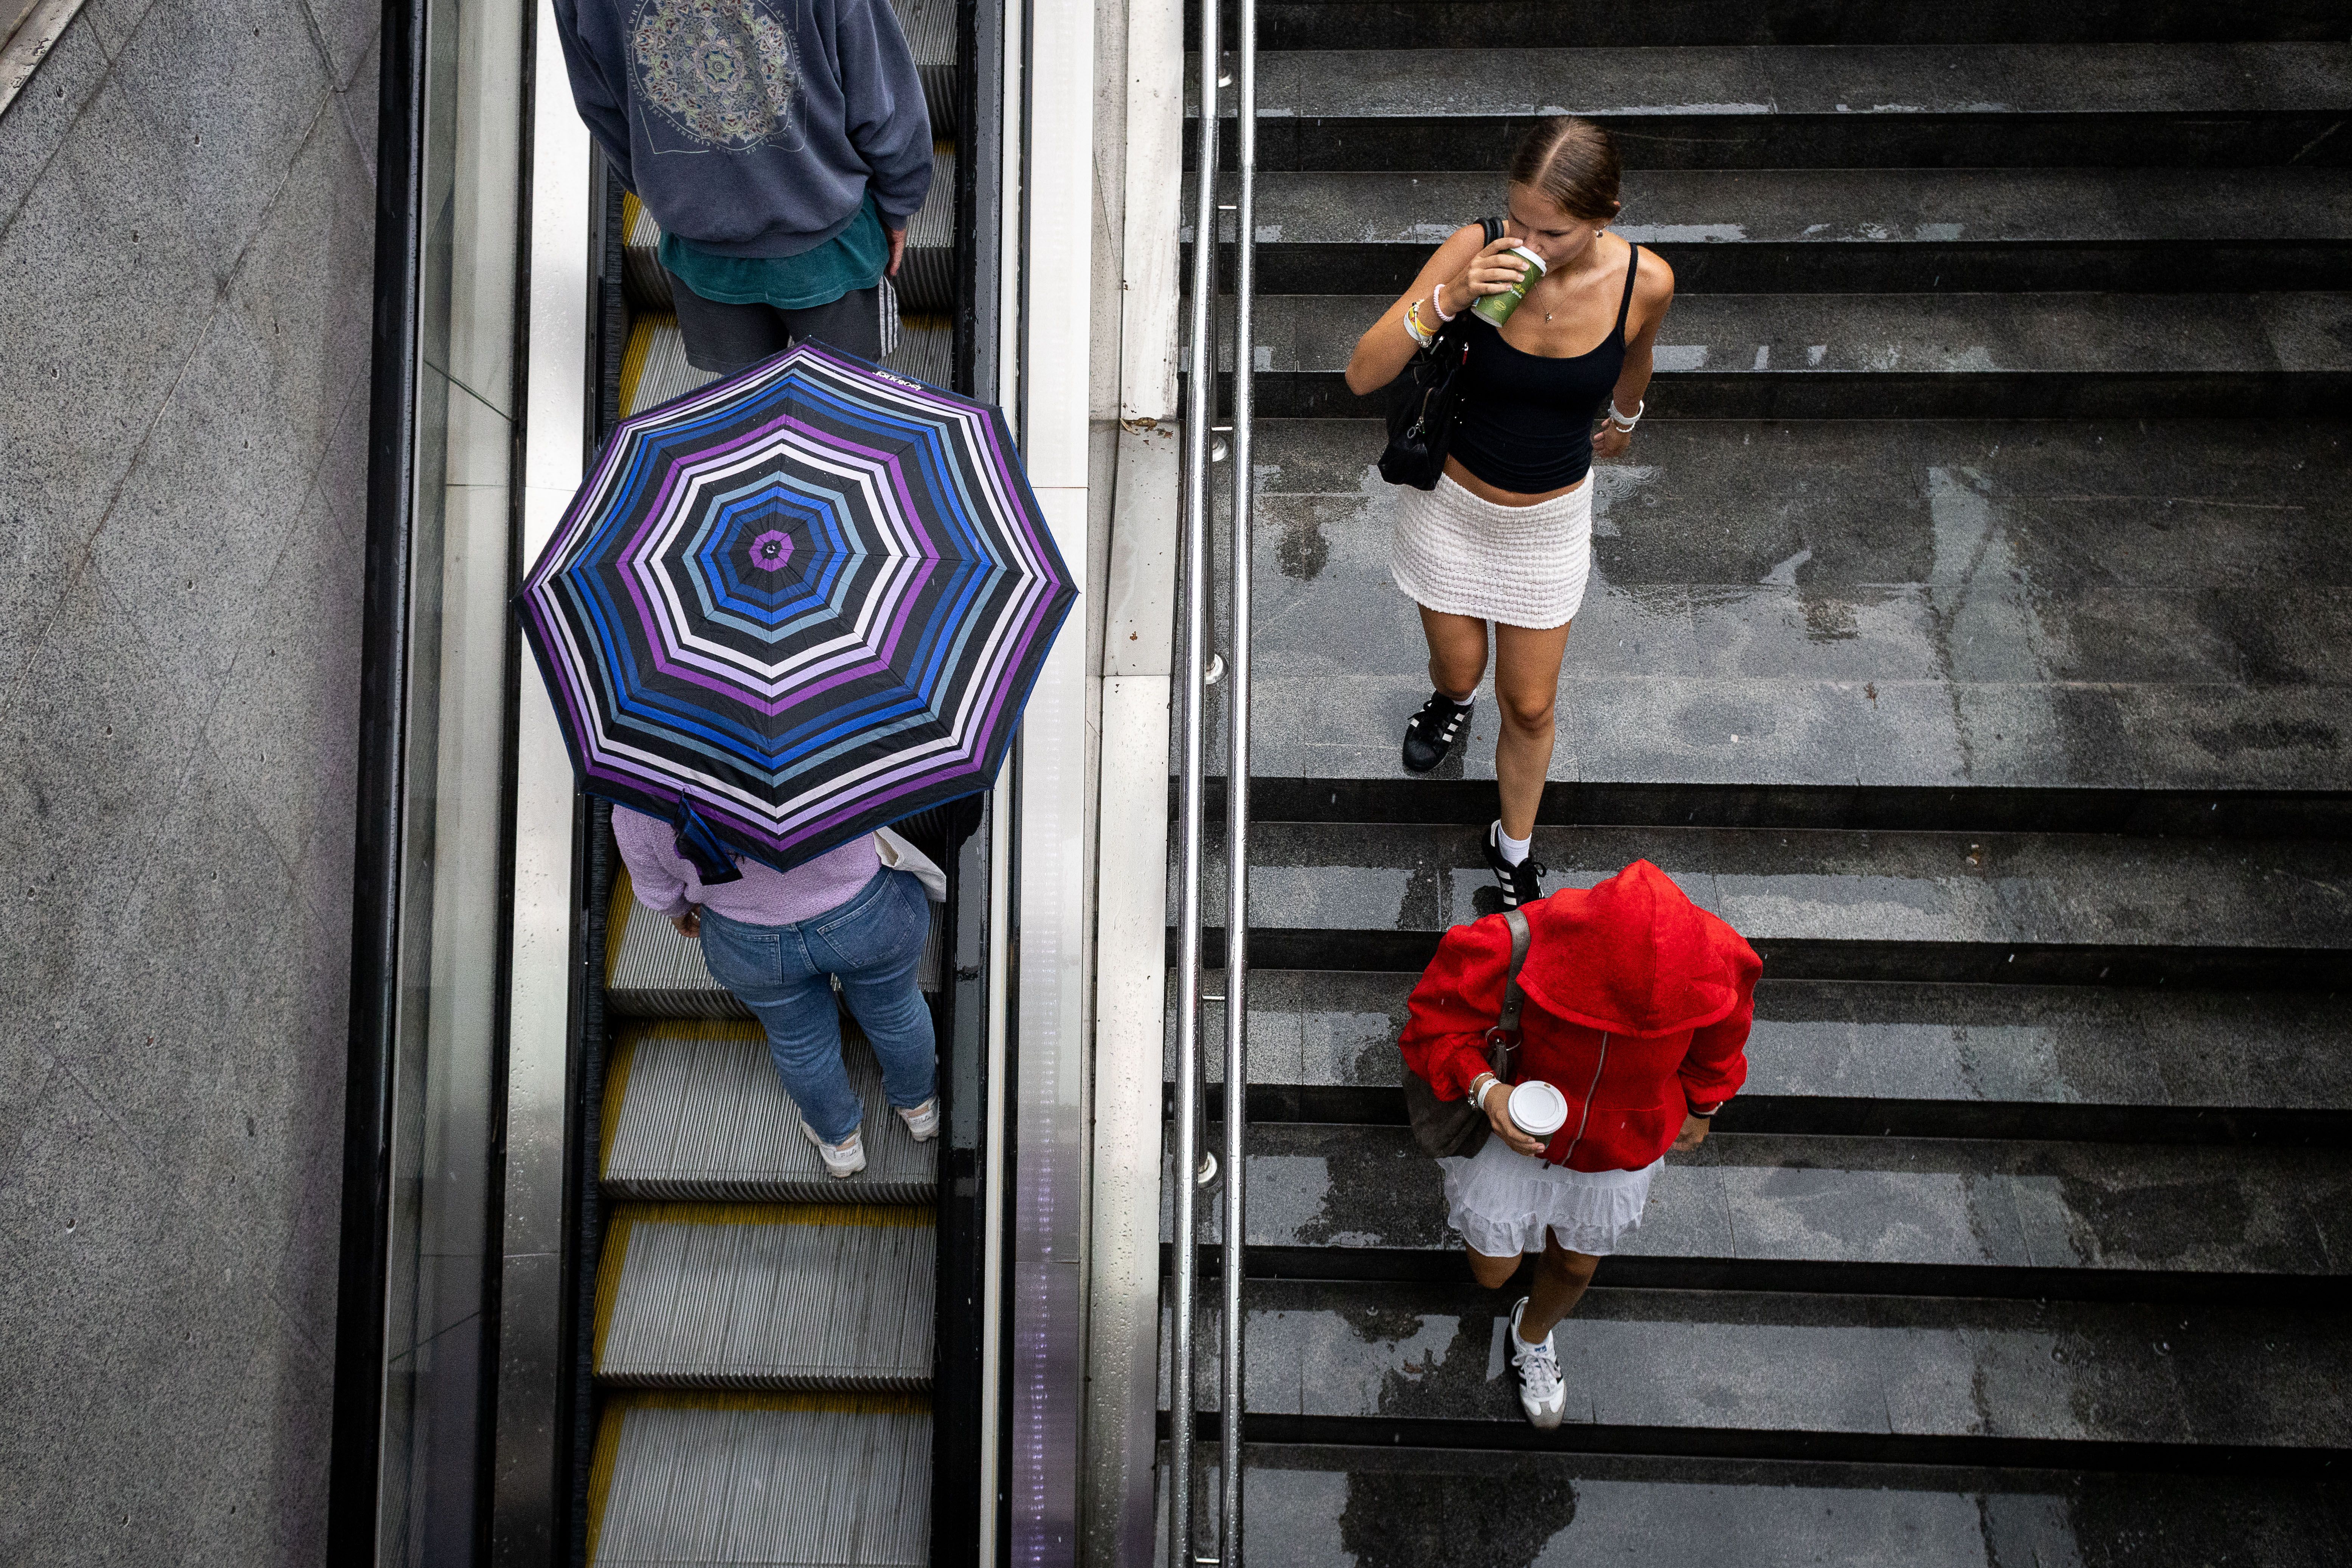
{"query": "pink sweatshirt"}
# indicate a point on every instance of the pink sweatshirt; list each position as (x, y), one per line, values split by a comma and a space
(665, 883)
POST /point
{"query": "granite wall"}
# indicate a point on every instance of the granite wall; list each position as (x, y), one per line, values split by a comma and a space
(186, 198)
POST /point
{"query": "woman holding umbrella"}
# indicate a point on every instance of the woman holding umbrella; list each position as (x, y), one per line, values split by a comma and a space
(778, 939)
(782, 612)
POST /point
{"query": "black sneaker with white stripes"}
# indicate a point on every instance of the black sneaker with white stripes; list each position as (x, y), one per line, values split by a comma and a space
(1522, 883)
(1431, 733)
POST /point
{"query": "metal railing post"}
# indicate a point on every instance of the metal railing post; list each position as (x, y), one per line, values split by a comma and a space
(1200, 413)
(1237, 780)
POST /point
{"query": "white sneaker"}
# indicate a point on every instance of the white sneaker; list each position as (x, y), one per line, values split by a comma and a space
(923, 1121)
(1542, 1392)
(845, 1157)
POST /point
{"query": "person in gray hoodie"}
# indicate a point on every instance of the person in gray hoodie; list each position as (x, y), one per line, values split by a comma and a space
(782, 145)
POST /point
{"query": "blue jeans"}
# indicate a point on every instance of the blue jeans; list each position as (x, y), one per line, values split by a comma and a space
(873, 942)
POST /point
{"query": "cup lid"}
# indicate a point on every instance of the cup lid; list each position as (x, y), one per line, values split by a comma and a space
(1538, 1108)
(1533, 259)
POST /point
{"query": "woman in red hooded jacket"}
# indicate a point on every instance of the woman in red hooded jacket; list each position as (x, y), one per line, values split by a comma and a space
(1638, 1004)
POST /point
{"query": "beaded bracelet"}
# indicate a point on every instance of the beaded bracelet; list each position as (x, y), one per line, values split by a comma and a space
(1437, 304)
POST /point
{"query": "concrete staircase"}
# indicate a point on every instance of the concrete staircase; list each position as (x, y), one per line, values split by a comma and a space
(1967, 628)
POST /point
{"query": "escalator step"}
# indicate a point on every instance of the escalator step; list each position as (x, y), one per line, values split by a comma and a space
(816, 1296)
(654, 368)
(681, 1480)
(651, 971)
(930, 29)
(692, 1111)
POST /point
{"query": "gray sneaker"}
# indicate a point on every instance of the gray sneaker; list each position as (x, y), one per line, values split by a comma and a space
(844, 1159)
(922, 1121)
(1543, 1395)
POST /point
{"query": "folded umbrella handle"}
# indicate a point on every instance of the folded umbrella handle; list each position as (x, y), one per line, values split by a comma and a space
(699, 843)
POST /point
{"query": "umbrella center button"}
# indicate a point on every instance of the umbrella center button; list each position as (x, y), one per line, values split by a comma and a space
(771, 550)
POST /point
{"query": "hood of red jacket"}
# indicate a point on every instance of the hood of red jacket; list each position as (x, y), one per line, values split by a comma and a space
(1633, 956)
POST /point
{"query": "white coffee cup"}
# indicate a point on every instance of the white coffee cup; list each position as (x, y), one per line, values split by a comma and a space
(1537, 1109)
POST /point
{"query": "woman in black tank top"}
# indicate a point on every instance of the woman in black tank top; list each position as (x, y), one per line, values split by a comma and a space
(1504, 538)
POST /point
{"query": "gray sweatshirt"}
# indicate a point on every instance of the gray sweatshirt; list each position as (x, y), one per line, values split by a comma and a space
(752, 127)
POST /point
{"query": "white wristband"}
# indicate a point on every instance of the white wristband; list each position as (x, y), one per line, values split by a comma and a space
(1627, 422)
(1479, 1090)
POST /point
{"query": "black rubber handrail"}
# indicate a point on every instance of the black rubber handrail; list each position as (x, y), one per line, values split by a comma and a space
(355, 1460)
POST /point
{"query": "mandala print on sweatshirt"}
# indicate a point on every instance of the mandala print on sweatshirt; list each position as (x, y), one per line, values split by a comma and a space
(723, 73)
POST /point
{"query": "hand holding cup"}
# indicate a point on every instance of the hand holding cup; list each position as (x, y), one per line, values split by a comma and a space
(1493, 270)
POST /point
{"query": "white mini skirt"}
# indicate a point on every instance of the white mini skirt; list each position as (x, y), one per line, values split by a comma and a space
(1521, 566)
(1503, 1201)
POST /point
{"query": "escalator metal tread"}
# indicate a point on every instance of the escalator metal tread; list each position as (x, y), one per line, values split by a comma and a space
(653, 971)
(815, 1296)
(693, 1111)
(683, 1480)
(654, 368)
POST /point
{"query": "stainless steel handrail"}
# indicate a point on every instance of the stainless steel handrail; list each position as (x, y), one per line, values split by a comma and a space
(1237, 777)
(1200, 402)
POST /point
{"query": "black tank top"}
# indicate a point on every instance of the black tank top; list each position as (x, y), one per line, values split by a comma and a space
(1525, 423)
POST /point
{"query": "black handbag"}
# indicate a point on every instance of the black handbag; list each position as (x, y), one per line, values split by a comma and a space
(1449, 1128)
(1421, 425)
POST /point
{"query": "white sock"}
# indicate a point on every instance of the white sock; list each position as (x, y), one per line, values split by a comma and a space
(1514, 849)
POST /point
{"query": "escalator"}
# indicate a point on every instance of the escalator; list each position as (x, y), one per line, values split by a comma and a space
(756, 1342)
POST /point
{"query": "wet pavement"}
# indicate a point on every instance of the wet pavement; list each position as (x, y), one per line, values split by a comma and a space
(2028, 605)
(1926, 1202)
(1830, 884)
(1889, 1041)
(1324, 1506)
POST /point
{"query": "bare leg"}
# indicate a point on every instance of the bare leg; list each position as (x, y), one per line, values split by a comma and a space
(1493, 1273)
(1527, 686)
(1457, 652)
(1560, 1278)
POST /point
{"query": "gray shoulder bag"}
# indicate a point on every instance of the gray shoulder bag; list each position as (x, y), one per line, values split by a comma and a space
(1450, 1128)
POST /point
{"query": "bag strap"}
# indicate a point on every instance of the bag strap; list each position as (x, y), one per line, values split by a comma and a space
(1514, 1001)
(1494, 227)
(1503, 1039)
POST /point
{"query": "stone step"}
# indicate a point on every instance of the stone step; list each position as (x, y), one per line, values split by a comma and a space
(1960, 1060)
(1881, 604)
(1312, 1506)
(1882, 1379)
(1883, 1214)
(2018, 908)
(1543, 24)
(1841, 231)
(1953, 106)
(828, 1296)
(1913, 356)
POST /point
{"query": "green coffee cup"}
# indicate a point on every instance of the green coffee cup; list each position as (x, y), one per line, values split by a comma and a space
(1498, 307)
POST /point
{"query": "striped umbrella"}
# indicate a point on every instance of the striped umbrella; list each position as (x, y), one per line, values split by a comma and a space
(796, 606)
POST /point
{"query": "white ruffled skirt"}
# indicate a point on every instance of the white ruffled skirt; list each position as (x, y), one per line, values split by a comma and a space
(1503, 1201)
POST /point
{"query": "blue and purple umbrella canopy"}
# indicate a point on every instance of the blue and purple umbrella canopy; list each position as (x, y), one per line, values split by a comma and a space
(796, 605)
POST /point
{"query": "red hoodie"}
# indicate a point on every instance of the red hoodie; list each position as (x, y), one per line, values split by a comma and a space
(1638, 1008)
